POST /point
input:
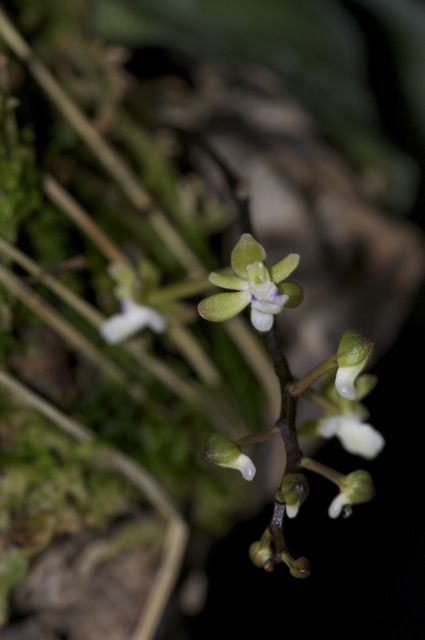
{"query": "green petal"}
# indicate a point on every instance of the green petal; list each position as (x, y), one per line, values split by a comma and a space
(364, 385)
(223, 306)
(228, 282)
(285, 267)
(247, 251)
(295, 293)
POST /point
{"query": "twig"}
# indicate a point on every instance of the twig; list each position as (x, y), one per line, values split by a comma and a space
(173, 241)
(34, 401)
(66, 203)
(41, 308)
(194, 354)
(236, 187)
(112, 162)
(64, 293)
(177, 533)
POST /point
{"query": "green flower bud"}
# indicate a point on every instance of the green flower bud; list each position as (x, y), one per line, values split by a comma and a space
(357, 487)
(299, 568)
(352, 356)
(225, 453)
(294, 491)
(261, 552)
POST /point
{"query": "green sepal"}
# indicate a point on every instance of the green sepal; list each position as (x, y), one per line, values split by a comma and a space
(294, 488)
(223, 306)
(358, 487)
(150, 276)
(284, 268)
(226, 281)
(246, 251)
(353, 349)
(294, 291)
(220, 450)
(125, 280)
(365, 384)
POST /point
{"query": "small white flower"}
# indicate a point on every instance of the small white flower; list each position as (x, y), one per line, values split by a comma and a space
(356, 488)
(132, 318)
(356, 436)
(244, 464)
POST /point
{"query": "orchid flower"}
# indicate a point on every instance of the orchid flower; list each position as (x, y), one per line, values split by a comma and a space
(133, 316)
(355, 488)
(253, 284)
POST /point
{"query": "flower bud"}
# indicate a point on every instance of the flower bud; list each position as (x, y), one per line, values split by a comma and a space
(294, 490)
(225, 453)
(261, 552)
(299, 568)
(356, 488)
(352, 356)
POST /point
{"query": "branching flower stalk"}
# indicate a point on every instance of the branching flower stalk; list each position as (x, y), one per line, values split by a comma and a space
(338, 398)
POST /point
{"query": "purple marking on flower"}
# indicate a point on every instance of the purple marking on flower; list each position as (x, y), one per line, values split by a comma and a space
(253, 297)
(275, 295)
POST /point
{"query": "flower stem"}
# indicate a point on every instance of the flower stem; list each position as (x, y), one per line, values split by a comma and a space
(298, 387)
(256, 438)
(286, 420)
(322, 401)
(185, 289)
(323, 470)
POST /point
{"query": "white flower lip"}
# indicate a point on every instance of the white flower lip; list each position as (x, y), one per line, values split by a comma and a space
(245, 465)
(132, 318)
(292, 510)
(266, 302)
(345, 379)
(261, 321)
(355, 436)
(361, 439)
(337, 505)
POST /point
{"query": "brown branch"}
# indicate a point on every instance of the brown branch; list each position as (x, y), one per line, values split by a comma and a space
(286, 420)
